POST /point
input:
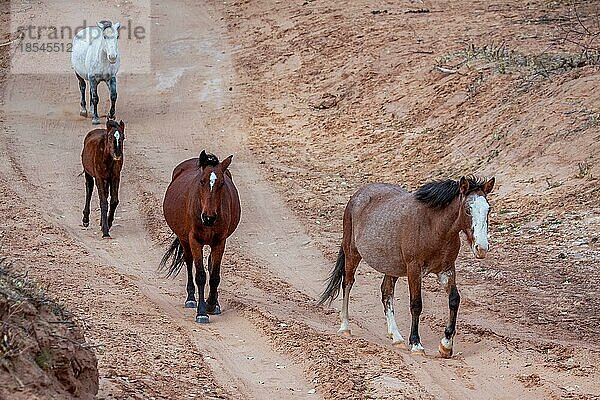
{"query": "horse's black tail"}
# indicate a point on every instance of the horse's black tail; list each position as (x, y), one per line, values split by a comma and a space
(335, 279)
(175, 253)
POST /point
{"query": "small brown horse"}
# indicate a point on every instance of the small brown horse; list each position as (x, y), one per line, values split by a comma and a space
(102, 159)
(411, 234)
(202, 207)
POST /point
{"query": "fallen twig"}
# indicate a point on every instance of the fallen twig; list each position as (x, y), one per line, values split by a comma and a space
(446, 70)
(9, 42)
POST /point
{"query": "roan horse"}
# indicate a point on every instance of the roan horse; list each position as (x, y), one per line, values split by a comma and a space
(102, 159)
(202, 207)
(96, 58)
(408, 234)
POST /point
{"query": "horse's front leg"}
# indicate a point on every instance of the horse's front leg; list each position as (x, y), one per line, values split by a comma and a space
(214, 270)
(94, 100)
(83, 108)
(112, 87)
(448, 280)
(89, 188)
(416, 306)
(387, 298)
(201, 314)
(114, 199)
(103, 195)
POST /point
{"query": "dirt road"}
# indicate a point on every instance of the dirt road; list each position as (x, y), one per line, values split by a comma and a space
(271, 341)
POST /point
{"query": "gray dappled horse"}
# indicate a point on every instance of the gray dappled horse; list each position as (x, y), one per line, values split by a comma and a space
(95, 58)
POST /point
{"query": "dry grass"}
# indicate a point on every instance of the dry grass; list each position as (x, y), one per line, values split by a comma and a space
(20, 296)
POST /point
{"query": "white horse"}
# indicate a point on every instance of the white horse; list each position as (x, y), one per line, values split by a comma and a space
(96, 58)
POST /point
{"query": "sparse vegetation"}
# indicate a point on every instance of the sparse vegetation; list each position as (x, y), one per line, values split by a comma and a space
(38, 339)
(576, 31)
(584, 170)
(18, 288)
(44, 359)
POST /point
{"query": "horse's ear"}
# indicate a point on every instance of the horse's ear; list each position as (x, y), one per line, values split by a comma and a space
(463, 185)
(489, 185)
(103, 24)
(122, 125)
(225, 163)
(116, 25)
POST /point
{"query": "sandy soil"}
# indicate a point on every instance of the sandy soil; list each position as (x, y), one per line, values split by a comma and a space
(306, 119)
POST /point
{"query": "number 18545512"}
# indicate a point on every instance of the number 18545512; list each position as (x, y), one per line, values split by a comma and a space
(45, 47)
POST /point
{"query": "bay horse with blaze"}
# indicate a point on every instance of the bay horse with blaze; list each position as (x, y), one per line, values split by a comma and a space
(399, 233)
(202, 207)
(102, 159)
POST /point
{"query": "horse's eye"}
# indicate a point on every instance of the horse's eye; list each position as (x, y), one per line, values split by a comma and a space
(468, 211)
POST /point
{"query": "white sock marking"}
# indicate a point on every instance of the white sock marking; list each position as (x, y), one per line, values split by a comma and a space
(392, 327)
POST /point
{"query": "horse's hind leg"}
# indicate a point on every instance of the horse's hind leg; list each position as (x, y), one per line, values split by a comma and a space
(112, 87)
(214, 270)
(94, 100)
(387, 298)
(89, 189)
(83, 109)
(190, 301)
(351, 260)
(448, 280)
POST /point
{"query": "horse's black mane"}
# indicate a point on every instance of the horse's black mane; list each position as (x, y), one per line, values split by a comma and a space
(105, 24)
(113, 123)
(440, 193)
(206, 159)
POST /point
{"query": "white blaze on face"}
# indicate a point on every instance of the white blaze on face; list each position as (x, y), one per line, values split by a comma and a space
(213, 179)
(110, 40)
(117, 137)
(479, 214)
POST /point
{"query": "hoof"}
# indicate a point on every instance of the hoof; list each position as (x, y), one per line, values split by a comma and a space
(214, 311)
(345, 332)
(86, 224)
(111, 117)
(106, 236)
(417, 349)
(202, 319)
(444, 352)
(96, 121)
(83, 113)
(190, 304)
(401, 344)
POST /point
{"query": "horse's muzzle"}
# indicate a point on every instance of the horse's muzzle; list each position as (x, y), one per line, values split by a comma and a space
(112, 60)
(479, 252)
(209, 220)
